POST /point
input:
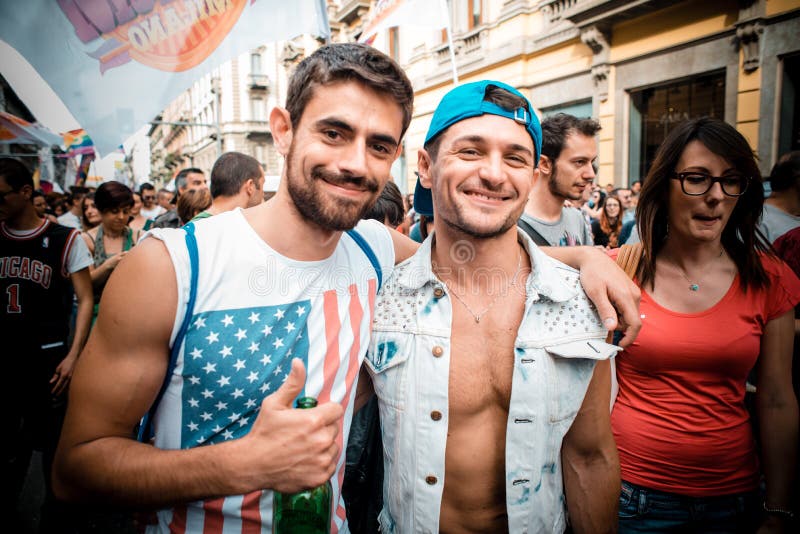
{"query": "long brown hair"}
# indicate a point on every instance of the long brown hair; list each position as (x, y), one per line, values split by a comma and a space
(740, 237)
(611, 229)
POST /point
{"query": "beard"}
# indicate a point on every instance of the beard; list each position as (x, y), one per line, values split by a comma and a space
(557, 190)
(457, 218)
(340, 214)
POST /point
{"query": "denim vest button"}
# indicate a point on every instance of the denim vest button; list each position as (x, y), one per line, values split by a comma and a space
(436, 415)
(437, 351)
(438, 292)
(431, 480)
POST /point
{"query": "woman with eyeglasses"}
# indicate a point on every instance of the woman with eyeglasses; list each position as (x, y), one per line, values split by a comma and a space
(715, 304)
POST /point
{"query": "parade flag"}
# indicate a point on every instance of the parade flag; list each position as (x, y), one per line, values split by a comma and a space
(77, 142)
(19, 131)
(387, 14)
(116, 63)
(83, 169)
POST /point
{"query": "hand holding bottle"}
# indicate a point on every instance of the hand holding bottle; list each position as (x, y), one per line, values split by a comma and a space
(290, 450)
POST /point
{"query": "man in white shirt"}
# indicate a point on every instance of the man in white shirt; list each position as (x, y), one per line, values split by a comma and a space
(150, 209)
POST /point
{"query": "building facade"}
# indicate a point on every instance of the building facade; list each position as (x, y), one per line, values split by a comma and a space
(227, 110)
(638, 66)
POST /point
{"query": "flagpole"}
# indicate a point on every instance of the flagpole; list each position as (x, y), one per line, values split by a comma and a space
(448, 29)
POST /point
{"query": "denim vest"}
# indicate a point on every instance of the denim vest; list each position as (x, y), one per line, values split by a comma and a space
(557, 345)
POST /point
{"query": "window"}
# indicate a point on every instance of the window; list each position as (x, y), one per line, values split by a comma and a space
(258, 153)
(474, 13)
(257, 109)
(255, 63)
(578, 109)
(394, 43)
(657, 110)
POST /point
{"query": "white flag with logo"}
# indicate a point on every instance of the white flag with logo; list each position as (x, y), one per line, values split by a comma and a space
(116, 63)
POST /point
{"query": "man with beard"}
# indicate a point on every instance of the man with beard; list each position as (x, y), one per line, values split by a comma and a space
(566, 168)
(282, 306)
(499, 375)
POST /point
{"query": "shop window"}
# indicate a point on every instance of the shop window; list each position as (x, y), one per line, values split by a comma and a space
(657, 110)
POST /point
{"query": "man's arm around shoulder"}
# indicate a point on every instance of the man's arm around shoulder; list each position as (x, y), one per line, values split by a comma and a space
(118, 377)
(590, 461)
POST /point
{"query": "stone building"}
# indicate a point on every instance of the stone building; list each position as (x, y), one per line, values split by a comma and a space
(232, 102)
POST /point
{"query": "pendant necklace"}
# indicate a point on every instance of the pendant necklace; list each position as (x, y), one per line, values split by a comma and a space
(478, 316)
(693, 286)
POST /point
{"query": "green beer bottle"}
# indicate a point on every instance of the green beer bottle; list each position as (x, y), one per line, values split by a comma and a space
(306, 512)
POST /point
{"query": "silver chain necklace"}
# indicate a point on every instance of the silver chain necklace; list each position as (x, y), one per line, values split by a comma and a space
(479, 316)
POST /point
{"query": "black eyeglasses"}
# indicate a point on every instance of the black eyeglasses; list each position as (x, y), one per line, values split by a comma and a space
(699, 183)
(148, 197)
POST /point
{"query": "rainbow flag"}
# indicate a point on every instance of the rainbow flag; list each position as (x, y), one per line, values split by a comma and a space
(77, 142)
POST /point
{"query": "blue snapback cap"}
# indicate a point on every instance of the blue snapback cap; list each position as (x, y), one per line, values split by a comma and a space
(464, 102)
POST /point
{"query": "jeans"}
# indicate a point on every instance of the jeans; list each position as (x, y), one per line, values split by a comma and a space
(649, 511)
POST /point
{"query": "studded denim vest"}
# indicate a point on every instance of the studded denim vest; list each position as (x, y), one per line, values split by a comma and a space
(557, 345)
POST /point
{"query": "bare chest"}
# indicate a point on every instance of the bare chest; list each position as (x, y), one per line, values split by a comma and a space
(482, 360)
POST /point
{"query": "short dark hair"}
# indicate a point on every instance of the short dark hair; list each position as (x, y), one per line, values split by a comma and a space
(389, 206)
(231, 171)
(786, 173)
(556, 128)
(496, 95)
(146, 187)
(349, 62)
(192, 202)
(16, 174)
(180, 178)
(740, 237)
(113, 195)
(37, 193)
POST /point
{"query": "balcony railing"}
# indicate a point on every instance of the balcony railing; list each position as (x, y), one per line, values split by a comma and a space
(350, 10)
(258, 81)
(586, 12)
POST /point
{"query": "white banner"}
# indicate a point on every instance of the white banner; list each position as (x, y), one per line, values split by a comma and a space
(116, 63)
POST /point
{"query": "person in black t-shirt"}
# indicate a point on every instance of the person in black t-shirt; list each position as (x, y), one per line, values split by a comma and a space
(40, 264)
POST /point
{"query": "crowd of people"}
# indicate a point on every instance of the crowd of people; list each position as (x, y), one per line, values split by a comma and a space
(479, 306)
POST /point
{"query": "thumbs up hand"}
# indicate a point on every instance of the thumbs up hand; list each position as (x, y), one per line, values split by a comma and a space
(290, 450)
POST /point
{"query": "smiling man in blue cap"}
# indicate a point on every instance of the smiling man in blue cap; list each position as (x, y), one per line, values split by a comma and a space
(487, 357)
